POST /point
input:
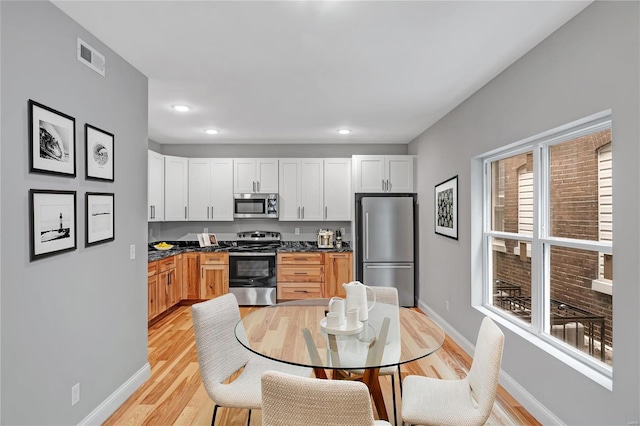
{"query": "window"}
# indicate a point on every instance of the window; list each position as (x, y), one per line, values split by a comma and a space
(553, 198)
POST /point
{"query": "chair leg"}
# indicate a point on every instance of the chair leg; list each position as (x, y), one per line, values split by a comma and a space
(400, 378)
(393, 395)
(249, 418)
(215, 411)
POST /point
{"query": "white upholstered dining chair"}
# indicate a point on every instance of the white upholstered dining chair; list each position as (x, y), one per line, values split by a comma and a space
(220, 355)
(388, 295)
(293, 400)
(468, 401)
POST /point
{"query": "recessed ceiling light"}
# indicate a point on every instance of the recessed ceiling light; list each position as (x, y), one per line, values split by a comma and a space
(212, 131)
(181, 108)
(344, 131)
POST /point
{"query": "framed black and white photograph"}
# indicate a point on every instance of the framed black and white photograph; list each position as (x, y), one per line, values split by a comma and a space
(99, 159)
(52, 141)
(446, 208)
(100, 218)
(52, 222)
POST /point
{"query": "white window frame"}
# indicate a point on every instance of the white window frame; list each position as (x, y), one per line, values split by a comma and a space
(538, 330)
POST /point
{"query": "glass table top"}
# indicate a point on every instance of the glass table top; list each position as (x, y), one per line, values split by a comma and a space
(290, 332)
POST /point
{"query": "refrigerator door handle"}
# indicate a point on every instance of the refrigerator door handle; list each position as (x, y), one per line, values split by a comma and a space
(366, 235)
(388, 267)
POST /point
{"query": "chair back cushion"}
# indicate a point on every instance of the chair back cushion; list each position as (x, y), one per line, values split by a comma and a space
(219, 352)
(294, 400)
(485, 369)
(388, 295)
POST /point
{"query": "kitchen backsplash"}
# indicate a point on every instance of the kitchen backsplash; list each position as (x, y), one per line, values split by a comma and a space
(226, 231)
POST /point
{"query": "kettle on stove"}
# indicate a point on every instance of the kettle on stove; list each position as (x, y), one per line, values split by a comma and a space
(325, 238)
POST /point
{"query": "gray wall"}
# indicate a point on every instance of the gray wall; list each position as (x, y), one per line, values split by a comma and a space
(79, 316)
(589, 65)
(281, 150)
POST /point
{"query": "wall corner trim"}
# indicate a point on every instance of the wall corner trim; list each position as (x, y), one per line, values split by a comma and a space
(537, 409)
(102, 412)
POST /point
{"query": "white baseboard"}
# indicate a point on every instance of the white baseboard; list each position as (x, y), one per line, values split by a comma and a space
(531, 404)
(102, 412)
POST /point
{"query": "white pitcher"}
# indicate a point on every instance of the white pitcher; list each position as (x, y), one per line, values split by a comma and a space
(357, 298)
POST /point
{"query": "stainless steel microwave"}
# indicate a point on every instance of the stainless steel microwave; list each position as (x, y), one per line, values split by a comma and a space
(255, 206)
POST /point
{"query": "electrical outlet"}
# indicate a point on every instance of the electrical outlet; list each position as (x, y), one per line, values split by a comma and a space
(343, 231)
(206, 230)
(446, 305)
(132, 251)
(296, 231)
(75, 394)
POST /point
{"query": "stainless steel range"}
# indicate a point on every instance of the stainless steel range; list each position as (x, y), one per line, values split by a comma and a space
(252, 267)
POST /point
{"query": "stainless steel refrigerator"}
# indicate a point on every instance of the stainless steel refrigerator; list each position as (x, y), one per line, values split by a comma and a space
(385, 249)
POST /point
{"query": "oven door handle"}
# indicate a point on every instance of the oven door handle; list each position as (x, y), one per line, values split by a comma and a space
(251, 254)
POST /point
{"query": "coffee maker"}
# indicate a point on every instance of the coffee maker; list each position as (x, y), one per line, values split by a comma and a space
(325, 238)
(338, 238)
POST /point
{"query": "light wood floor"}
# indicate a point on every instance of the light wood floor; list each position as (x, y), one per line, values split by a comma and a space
(174, 395)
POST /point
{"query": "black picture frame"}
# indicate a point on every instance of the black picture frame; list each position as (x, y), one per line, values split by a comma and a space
(99, 159)
(99, 218)
(52, 141)
(446, 208)
(52, 222)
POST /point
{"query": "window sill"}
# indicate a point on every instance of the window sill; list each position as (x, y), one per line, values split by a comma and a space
(603, 378)
(602, 285)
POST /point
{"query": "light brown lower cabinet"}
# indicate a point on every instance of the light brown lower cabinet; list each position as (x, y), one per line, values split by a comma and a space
(191, 276)
(303, 275)
(164, 287)
(214, 275)
(338, 269)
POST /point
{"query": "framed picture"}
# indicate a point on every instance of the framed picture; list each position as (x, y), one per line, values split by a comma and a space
(446, 208)
(52, 222)
(100, 218)
(52, 141)
(99, 158)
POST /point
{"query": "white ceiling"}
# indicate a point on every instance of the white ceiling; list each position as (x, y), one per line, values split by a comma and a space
(296, 71)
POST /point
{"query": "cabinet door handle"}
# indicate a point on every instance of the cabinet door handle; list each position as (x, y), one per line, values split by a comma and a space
(258, 185)
(302, 213)
(299, 273)
(207, 212)
(388, 184)
(298, 212)
(383, 185)
(212, 212)
(185, 212)
(254, 186)
(326, 214)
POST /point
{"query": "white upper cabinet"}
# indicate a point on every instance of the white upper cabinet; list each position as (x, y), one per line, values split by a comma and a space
(337, 189)
(155, 187)
(255, 175)
(300, 195)
(383, 173)
(210, 189)
(176, 178)
(315, 189)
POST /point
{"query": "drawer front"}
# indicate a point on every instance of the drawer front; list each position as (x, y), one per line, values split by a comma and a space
(152, 268)
(300, 258)
(214, 258)
(166, 264)
(295, 291)
(303, 273)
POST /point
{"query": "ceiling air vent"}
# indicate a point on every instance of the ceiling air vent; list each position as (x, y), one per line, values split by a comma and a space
(90, 57)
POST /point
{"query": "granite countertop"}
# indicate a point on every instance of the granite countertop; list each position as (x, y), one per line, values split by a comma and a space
(191, 246)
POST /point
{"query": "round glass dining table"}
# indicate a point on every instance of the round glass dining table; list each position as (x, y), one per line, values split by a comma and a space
(291, 332)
